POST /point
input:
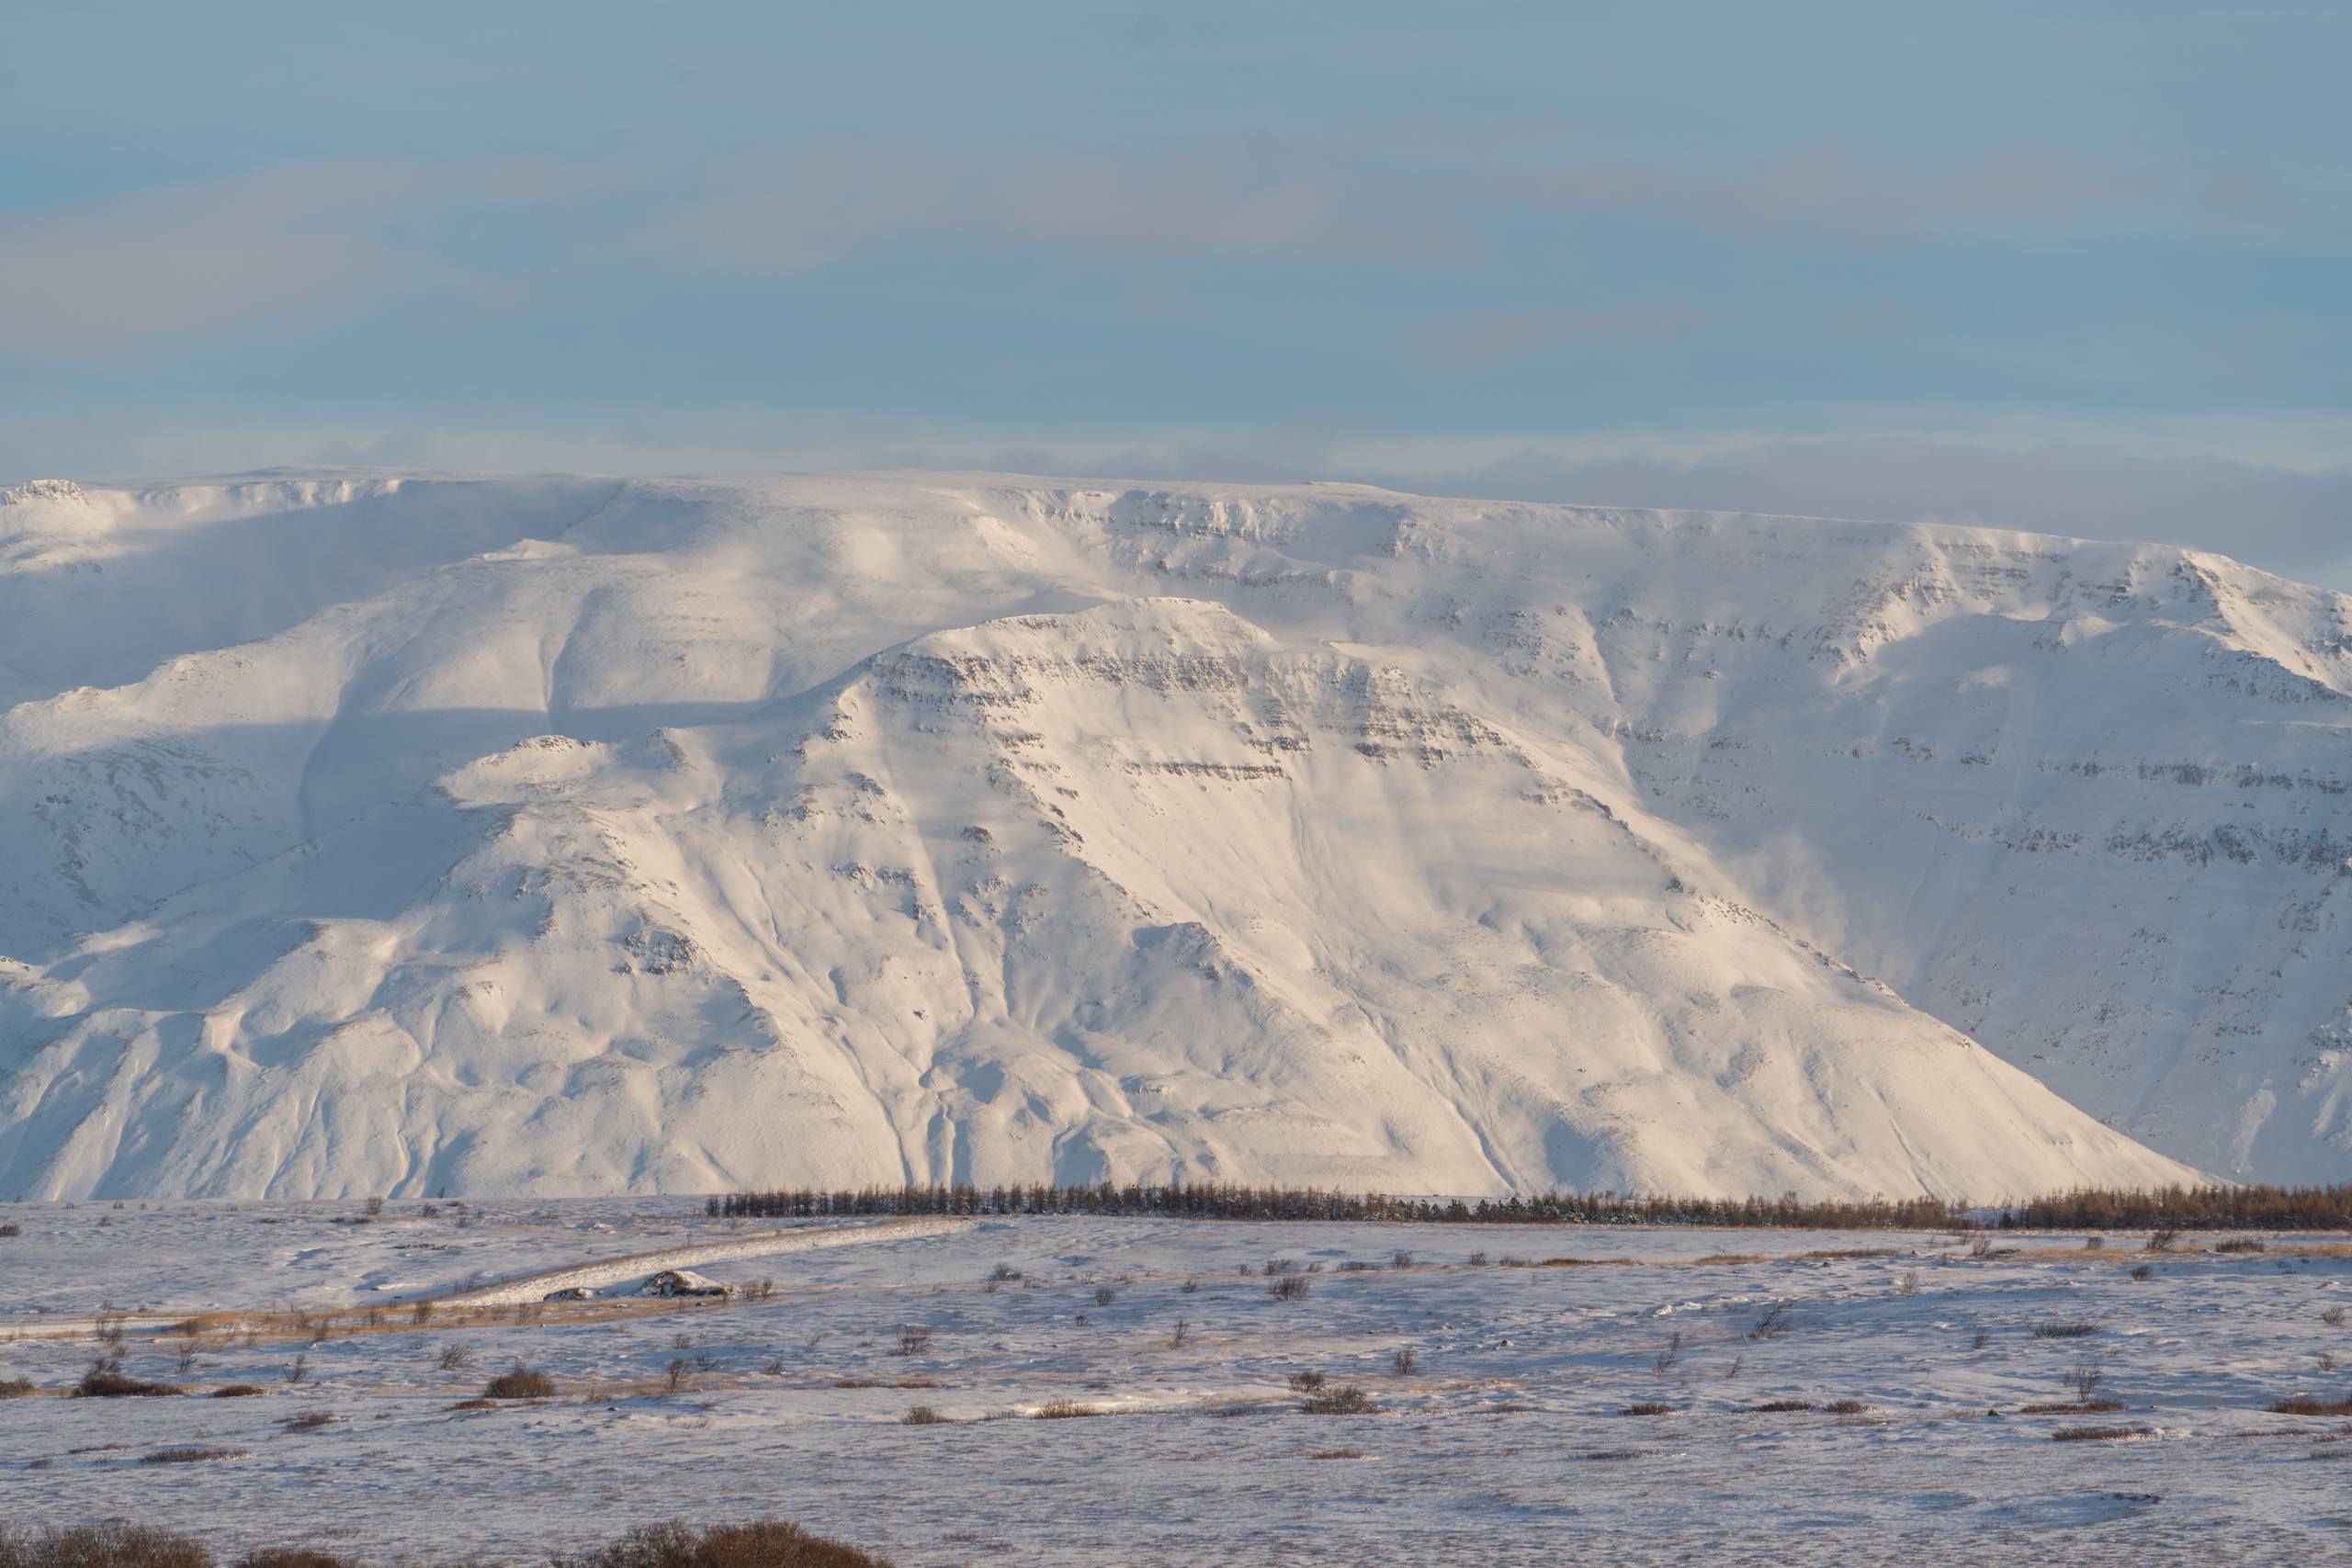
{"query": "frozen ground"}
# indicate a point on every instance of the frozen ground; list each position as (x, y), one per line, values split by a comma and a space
(1504, 1442)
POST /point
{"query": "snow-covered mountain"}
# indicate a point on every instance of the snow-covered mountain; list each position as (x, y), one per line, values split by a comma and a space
(381, 833)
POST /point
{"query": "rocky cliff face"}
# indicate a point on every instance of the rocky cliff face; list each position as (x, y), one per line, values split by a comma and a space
(371, 833)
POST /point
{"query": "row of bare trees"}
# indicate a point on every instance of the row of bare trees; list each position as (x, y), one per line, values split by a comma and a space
(2185, 1208)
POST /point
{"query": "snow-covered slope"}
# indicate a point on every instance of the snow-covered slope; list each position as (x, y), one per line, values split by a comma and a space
(367, 832)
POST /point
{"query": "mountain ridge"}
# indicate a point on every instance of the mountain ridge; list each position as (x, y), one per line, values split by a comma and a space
(1751, 752)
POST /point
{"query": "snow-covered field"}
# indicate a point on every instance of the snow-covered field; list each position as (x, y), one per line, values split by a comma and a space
(1504, 1440)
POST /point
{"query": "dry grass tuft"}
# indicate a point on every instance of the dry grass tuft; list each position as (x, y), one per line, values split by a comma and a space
(100, 1546)
(239, 1390)
(191, 1455)
(1066, 1410)
(1647, 1407)
(2099, 1434)
(923, 1416)
(1345, 1399)
(2071, 1407)
(2310, 1405)
(520, 1382)
(1777, 1406)
(2055, 1328)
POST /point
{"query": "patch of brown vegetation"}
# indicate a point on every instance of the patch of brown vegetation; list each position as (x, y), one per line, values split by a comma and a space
(763, 1543)
(107, 1381)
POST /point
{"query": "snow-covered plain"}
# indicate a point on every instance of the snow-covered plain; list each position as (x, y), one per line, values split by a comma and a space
(371, 833)
(1504, 1442)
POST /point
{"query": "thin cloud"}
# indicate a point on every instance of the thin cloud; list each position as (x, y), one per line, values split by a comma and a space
(292, 248)
(277, 249)
(1471, 342)
(794, 209)
(1833, 194)
(281, 250)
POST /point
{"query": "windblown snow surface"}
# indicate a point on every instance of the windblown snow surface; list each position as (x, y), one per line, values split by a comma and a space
(1538, 1396)
(374, 833)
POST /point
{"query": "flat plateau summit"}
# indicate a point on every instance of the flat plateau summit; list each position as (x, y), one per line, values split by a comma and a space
(368, 832)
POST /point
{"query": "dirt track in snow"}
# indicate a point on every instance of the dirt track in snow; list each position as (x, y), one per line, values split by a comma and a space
(604, 1271)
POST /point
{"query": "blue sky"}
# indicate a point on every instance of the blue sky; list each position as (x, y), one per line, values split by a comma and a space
(2079, 267)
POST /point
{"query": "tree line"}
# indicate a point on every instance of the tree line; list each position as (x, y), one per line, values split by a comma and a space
(1216, 1201)
(2183, 1208)
(2189, 1208)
